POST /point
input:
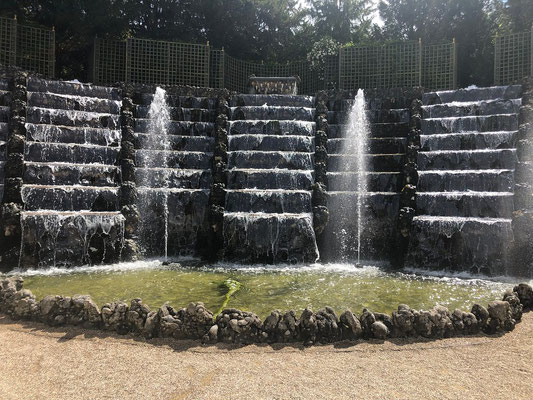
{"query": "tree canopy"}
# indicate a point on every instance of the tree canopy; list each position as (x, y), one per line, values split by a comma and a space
(277, 30)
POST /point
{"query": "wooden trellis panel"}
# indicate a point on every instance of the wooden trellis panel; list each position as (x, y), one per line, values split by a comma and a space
(28, 47)
(513, 57)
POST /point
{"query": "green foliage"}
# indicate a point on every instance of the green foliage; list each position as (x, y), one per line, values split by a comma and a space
(341, 20)
(228, 287)
(326, 46)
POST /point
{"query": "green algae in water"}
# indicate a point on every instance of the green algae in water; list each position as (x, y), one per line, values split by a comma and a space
(265, 289)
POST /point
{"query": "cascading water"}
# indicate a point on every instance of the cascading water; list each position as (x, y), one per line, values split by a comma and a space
(158, 123)
(355, 148)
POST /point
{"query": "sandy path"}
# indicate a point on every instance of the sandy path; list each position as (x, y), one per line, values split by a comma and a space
(38, 362)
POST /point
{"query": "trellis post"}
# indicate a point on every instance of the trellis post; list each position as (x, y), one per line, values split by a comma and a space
(496, 60)
(420, 62)
(454, 66)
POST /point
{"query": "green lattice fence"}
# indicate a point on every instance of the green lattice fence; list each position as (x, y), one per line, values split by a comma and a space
(405, 64)
(8, 41)
(151, 62)
(439, 66)
(331, 72)
(379, 66)
(216, 69)
(109, 61)
(28, 47)
(513, 57)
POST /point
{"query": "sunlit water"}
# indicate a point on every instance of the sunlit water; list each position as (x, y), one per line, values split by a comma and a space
(264, 289)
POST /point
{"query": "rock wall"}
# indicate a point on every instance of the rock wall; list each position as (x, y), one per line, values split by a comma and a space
(236, 326)
(12, 205)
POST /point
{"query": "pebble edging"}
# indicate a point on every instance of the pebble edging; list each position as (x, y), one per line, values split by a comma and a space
(236, 326)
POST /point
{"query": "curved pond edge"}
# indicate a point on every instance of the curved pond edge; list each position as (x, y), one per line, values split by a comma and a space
(242, 327)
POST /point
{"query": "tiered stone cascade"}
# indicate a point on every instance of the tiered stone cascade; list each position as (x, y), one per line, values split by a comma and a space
(522, 252)
(71, 175)
(174, 171)
(268, 213)
(14, 113)
(389, 116)
(466, 180)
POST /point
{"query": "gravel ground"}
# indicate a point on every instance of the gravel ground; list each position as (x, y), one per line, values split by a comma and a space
(38, 362)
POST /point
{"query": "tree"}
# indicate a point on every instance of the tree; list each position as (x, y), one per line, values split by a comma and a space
(342, 20)
(468, 21)
(520, 13)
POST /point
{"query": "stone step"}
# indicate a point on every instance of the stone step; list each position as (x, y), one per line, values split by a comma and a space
(69, 198)
(378, 228)
(501, 122)
(278, 113)
(477, 245)
(485, 180)
(268, 238)
(401, 115)
(186, 224)
(270, 159)
(269, 127)
(72, 118)
(4, 131)
(241, 100)
(5, 113)
(375, 162)
(145, 99)
(59, 173)
(3, 151)
(5, 98)
(72, 134)
(376, 181)
(473, 94)
(270, 179)
(268, 201)
(472, 108)
(467, 159)
(174, 178)
(379, 130)
(73, 102)
(174, 142)
(271, 142)
(376, 145)
(64, 239)
(181, 114)
(378, 203)
(72, 88)
(180, 128)
(468, 141)
(71, 153)
(466, 204)
(173, 159)
(373, 103)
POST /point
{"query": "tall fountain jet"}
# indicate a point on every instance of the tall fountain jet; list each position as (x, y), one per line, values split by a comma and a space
(159, 121)
(354, 163)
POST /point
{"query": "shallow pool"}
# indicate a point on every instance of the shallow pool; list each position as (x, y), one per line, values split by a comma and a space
(265, 288)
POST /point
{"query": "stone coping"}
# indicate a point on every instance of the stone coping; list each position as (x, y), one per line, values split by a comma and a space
(236, 326)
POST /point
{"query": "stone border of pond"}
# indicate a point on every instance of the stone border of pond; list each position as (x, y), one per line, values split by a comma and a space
(242, 327)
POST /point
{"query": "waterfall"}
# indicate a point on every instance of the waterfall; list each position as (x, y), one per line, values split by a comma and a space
(158, 123)
(355, 149)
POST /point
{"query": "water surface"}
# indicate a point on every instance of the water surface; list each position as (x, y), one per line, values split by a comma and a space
(265, 288)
